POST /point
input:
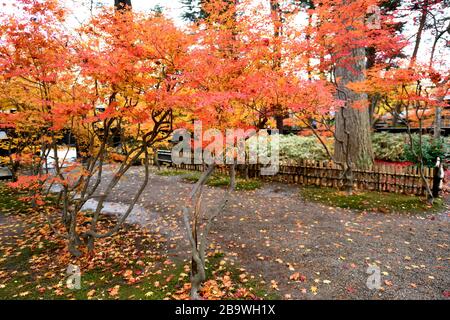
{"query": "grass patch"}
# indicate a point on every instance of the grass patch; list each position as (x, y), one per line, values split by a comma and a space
(98, 284)
(192, 176)
(219, 180)
(9, 201)
(95, 284)
(171, 173)
(216, 180)
(370, 201)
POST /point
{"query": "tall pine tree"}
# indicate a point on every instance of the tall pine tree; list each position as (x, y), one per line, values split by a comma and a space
(193, 10)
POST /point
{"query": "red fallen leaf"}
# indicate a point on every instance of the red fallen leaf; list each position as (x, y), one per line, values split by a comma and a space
(446, 293)
(114, 291)
(274, 284)
(41, 290)
(227, 281)
(242, 293)
(59, 292)
(169, 278)
(298, 277)
(128, 273)
(350, 289)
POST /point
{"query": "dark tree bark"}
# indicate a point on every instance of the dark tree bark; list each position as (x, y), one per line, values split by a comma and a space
(437, 122)
(122, 4)
(197, 234)
(373, 98)
(438, 114)
(423, 20)
(388, 7)
(278, 21)
(353, 143)
(279, 120)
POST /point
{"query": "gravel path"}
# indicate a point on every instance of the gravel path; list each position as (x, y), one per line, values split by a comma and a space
(273, 233)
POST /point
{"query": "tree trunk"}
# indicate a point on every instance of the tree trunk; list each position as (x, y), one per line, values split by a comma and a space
(353, 143)
(373, 98)
(423, 20)
(279, 119)
(277, 21)
(121, 4)
(437, 123)
(233, 177)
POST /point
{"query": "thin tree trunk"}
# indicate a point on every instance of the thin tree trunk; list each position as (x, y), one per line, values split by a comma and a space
(423, 20)
(435, 42)
(233, 177)
(155, 159)
(437, 123)
(373, 98)
(277, 21)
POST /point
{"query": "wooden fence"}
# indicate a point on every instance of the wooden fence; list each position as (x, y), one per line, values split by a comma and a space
(383, 178)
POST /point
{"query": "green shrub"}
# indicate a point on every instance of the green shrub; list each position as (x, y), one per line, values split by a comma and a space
(389, 146)
(293, 148)
(386, 146)
(431, 148)
(396, 147)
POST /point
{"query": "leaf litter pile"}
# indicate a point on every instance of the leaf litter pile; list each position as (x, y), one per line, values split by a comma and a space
(130, 265)
(302, 249)
(269, 243)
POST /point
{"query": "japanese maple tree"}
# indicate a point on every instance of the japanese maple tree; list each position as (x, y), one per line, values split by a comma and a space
(113, 86)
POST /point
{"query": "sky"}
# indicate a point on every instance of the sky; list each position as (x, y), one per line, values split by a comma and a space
(80, 8)
(172, 8)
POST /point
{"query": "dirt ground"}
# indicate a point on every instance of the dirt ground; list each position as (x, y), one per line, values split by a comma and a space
(273, 234)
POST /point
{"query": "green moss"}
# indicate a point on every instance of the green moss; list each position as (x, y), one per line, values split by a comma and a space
(19, 261)
(171, 173)
(192, 176)
(215, 269)
(96, 281)
(26, 281)
(99, 283)
(10, 202)
(370, 201)
(219, 180)
(251, 184)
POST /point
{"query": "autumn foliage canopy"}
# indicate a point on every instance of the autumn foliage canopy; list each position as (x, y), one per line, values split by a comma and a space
(138, 77)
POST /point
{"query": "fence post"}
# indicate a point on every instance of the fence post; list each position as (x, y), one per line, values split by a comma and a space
(438, 178)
